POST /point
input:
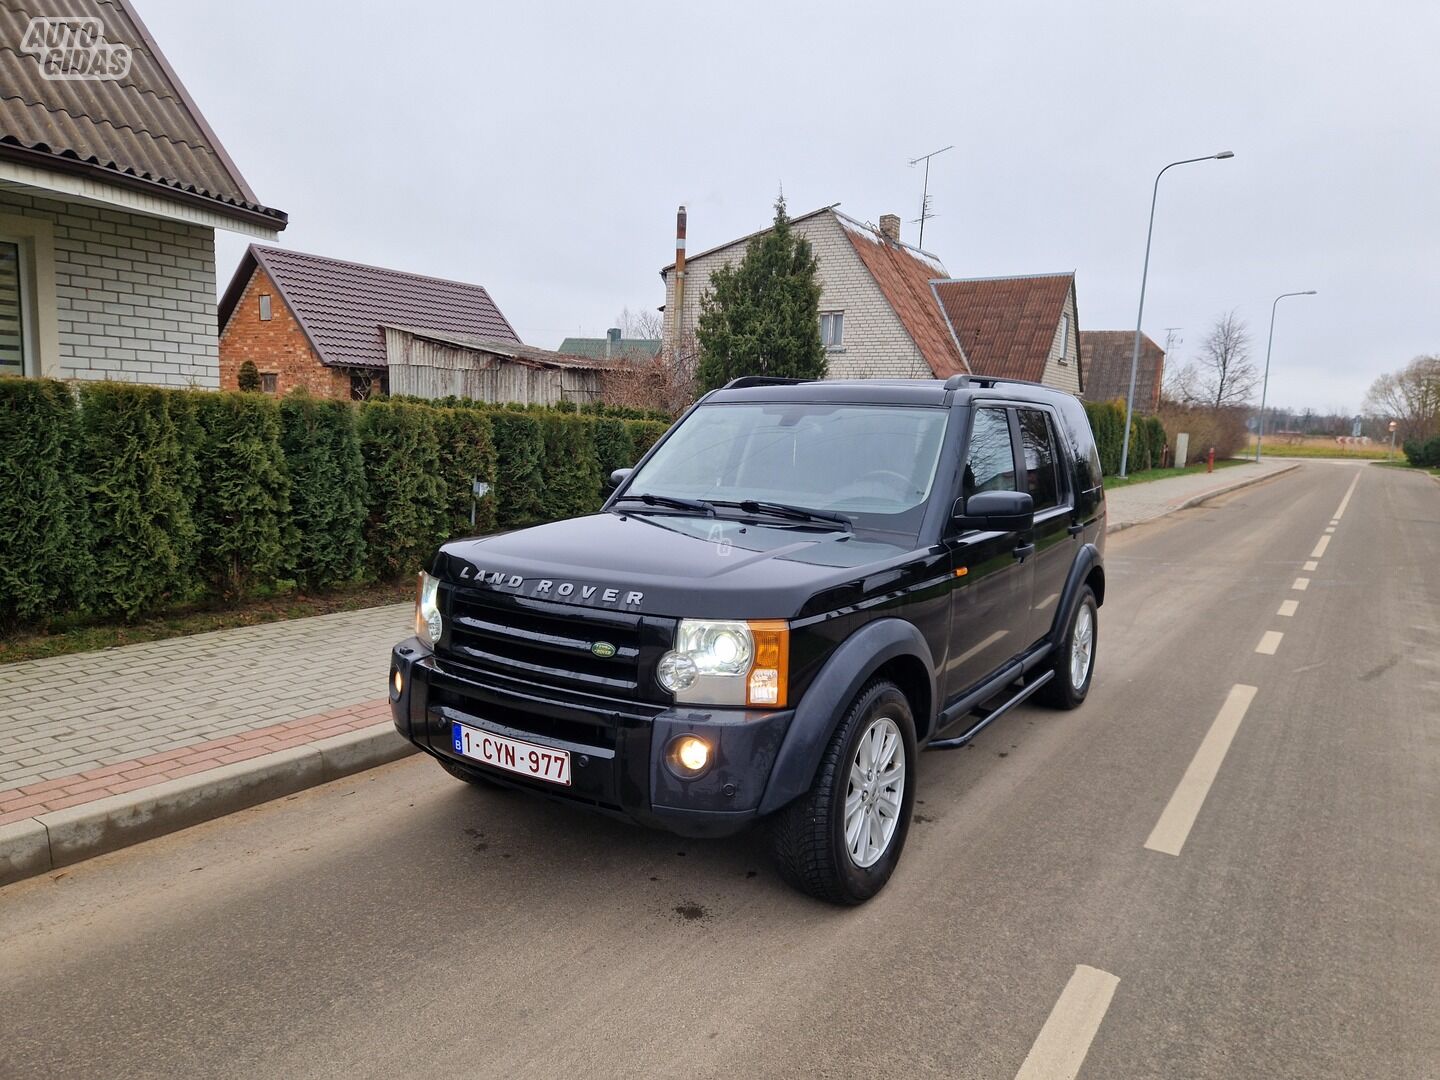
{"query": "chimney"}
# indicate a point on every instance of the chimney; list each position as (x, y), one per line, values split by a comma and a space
(679, 276)
(890, 227)
(612, 340)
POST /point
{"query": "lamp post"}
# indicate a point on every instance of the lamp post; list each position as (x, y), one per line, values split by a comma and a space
(1145, 273)
(1265, 386)
(1393, 426)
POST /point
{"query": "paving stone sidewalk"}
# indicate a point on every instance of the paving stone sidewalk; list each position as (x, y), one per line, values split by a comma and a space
(162, 709)
(79, 728)
(1139, 503)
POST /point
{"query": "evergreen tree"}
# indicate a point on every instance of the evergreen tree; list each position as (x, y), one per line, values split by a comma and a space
(248, 377)
(763, 316)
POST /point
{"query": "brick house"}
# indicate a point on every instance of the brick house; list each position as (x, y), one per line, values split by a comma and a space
(1107, 355)
(890, 310)
(312, 321)
(111, 190)
(1020, 327)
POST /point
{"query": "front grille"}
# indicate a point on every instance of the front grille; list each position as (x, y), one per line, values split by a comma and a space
(550, 644)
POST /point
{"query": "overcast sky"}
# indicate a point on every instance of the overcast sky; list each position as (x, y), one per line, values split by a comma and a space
(541, 149)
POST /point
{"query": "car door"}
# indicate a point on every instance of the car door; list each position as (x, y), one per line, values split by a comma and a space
(991, 594)
(1055, 542)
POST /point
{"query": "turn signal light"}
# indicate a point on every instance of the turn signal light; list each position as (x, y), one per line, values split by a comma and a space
(770, 671)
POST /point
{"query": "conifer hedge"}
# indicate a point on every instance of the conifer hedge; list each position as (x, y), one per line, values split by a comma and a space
(122, 500)
(328, 492)
(1147, 437)
(43, 530)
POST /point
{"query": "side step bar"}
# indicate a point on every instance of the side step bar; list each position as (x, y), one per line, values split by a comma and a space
(987, 717)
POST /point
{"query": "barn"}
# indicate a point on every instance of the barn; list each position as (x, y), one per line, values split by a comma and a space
(428, 364)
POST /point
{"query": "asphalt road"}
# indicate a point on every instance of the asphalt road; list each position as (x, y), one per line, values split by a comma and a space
(402, 924)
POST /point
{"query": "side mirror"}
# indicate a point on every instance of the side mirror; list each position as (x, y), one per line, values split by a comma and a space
(996, 511)
(619, 476)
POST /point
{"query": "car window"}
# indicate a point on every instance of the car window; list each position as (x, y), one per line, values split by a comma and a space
(1042, 478)
(991, 463)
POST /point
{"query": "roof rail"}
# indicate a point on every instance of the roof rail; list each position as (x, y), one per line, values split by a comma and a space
(959, 382)
(762, 380)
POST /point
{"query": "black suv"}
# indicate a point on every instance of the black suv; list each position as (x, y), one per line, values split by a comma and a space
(799, 587)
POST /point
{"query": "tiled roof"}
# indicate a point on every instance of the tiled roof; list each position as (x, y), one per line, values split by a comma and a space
(1106, 355)
(342, 305)
(624, 349)
(904, 274)
(525, 354)
(1006, 325)
(142, 131)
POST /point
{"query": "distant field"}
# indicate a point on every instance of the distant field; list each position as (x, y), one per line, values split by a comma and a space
(1321, 446)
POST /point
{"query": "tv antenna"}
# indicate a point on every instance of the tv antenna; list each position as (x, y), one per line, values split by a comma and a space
(925, 196)
(1172, 338)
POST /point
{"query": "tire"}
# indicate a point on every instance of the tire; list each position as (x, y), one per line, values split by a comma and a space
(470, 776)
(809, 836)
(1062, 691)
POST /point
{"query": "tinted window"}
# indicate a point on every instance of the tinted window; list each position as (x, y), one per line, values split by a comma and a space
(1041, 475)
(991, 464)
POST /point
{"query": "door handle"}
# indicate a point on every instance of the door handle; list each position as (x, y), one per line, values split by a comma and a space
(1024, 551)
(1076, 530)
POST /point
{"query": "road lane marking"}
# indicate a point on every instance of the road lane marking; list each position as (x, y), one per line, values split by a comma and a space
(1330, 530)
(1269, 642)
(1287, 607)
(1301, 583)
(1312, 565)
(1320, 547)
(1169, 834)
(1340, 510)
(1334, 522)
(1063, 1042)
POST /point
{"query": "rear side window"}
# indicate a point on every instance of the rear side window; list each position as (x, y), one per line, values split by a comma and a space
(991, 464)
(1042, 475)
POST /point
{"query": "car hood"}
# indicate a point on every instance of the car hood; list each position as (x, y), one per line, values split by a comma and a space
(679, 565)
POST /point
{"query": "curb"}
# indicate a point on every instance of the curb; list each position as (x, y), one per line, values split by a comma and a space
(62, 837)
(1206, 497)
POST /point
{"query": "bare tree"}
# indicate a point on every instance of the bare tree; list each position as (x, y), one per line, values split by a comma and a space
(1223, 375)
(646, 324)
(1411, 397)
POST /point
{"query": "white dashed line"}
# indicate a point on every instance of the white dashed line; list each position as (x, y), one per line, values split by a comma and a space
(1301, 583)
(1340, 510)
(1063, 1042)
(1270, 642)
(1330, 530)
(1320, 547)
(1287, 608)
(1169, 834)
(1312, 565)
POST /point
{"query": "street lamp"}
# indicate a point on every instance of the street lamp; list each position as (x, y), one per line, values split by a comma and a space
(1265, 386)
(1135, 354)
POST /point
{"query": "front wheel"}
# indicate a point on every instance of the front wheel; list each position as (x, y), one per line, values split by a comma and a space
(1074, 665)
(841, 840)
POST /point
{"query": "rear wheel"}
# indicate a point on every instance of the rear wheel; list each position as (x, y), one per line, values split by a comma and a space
(1074, 664)
(841, 841)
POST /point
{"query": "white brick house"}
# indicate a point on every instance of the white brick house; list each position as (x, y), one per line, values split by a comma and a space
(110, 194)
(890, 310)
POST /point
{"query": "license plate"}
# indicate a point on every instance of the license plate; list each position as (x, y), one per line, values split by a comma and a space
(512, 755)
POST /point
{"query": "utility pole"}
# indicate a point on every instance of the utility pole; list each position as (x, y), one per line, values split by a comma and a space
(925, 195)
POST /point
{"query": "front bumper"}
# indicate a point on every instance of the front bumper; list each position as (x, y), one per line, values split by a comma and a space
(617, 748)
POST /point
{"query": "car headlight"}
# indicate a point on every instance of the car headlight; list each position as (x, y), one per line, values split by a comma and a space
(728, 662)
(428, 624)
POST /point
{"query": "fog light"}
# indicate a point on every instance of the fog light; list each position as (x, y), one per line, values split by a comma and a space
(689, 756)
(397, 682)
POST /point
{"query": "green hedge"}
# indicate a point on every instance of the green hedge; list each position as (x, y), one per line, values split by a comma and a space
(1423, 454)
(1147, 437)
(124, 500)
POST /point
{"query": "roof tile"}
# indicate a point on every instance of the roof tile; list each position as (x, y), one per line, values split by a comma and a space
(1006, 325)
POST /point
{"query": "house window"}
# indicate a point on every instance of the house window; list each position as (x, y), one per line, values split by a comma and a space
(1065, 339)
(264, 307)
(832, 329)
(269, 382)
(15, 332)
(364, 385)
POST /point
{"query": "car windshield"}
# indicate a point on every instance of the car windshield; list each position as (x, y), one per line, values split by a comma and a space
(874, 464)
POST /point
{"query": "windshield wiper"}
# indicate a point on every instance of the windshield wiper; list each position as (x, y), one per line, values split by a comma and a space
(797, 513)
(675, 502)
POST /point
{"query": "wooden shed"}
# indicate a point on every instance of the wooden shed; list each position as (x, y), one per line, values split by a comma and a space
(427, 364)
